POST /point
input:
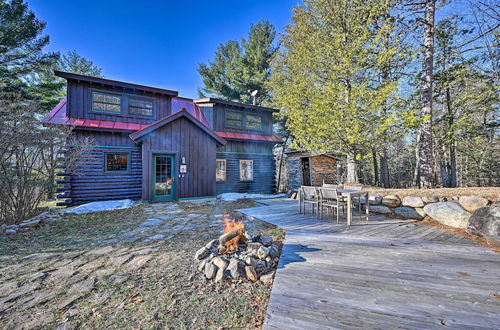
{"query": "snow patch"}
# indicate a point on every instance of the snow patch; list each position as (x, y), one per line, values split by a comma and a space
(230, 197)
(100, 206)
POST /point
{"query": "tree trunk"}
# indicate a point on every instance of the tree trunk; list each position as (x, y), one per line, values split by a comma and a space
(375, 169)
(451, 141)
(426, 167)
(384, 169)
(352, 173)
(281, 163)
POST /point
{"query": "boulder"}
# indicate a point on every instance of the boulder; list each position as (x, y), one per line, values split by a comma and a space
(485, 221)
(391, 201)
(235, 268)
(212, 244)
(253, 246)
(472, 203)
(448, 213)
(413, 201)
(267, 279)
(201, 253)
(219, 276)
(273, 251)
(430, 199)
(210, 270)
(220, 262)
(408, 213)
(265, 240)
(421, 211)
(251, 273)
(375, 199)
(380, 209)
(262, 252)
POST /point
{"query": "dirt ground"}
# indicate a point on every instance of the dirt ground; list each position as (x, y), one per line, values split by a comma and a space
(110, 270)
(491, 193)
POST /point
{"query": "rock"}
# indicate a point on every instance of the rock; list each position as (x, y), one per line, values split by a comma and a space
(212, 244)
(262, 252)
(413, 201)
(73, 310)
(267, 278)
(154, 238)
(201, 253)
(202, 264)
(472, 203)
(380, 209)
(421, 211)
(210, 270)
(219, 276)
(251, 273)
(253, 246)
(30, 223)
(10, 231)
(374, 199)
(273, 251)
(151, 223)
(448, 213)
(408, 213)
(485, 221)
(261, 266)
(220, 262)
(266, 240)
(249, 261)
(235, 268)
(391, 201)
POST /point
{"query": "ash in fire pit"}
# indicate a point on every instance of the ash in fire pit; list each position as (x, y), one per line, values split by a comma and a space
(236, 255)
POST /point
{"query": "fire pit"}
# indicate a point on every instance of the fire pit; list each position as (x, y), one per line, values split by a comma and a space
(237, 256)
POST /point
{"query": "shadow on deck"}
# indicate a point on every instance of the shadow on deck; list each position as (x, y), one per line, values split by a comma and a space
(381, 273)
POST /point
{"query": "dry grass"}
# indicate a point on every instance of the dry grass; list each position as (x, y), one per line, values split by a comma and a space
(165, 292)
(491, 193)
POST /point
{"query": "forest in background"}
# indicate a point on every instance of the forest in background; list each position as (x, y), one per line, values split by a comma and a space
(405, 93)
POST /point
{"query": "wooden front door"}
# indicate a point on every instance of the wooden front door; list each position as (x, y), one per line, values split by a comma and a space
(163, 180)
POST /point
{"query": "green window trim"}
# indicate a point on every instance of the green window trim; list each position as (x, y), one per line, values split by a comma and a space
(104, 102)
(116, 168)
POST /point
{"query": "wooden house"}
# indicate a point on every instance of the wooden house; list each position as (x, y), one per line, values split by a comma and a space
(153, 145)
(307, 169)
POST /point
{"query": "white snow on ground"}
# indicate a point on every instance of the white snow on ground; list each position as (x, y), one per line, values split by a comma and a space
(230, 197)
(100, 206)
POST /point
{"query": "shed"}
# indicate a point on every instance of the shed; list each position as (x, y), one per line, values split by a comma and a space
(310, 169)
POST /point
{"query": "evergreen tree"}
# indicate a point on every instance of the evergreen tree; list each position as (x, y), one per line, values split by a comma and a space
(240, 68)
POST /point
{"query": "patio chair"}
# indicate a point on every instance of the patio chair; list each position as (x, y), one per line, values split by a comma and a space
(309, 195)
(330, 199)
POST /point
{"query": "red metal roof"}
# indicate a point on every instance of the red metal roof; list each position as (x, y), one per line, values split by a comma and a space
(244, 136)
(58, 116)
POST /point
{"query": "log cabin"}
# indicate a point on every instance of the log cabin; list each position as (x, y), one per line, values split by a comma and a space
(149, 143)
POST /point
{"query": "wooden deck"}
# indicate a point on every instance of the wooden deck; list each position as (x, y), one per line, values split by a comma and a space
(383, 274)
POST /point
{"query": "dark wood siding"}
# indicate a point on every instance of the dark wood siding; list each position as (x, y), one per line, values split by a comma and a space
(263, 167)
(93, 183)
(79, 103)
(183, 139)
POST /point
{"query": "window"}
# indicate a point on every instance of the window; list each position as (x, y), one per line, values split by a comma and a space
(246, 170)
(220, 173)
(105, 102)
(242, 120)
(116, 162)
(253, 122)
(140, 106)
(234, 119)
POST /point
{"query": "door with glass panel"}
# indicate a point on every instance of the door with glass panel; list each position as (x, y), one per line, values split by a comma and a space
(163, 177)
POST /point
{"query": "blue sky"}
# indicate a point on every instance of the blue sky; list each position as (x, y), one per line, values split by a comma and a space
(157, 43)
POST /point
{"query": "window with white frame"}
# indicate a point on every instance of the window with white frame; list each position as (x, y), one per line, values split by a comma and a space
(246, 170)
(220, 174)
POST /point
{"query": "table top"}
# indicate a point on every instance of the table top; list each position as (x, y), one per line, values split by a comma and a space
(348, 191)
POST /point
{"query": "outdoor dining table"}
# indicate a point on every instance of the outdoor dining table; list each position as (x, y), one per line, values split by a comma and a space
(354, 193)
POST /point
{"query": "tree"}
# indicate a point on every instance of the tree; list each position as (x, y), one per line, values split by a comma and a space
(241, 68)
(21, 42)
(75, 63)
(325, 77)
(425, 158)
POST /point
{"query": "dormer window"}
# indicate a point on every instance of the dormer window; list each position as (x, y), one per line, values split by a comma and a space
(106, 102)
(141, 106)
(243, 120)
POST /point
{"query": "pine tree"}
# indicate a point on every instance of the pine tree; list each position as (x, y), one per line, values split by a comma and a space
(240, 68)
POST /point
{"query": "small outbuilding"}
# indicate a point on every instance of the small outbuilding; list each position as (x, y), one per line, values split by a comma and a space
(308, 169)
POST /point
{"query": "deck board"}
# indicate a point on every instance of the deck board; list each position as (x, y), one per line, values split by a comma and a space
(382, 273)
